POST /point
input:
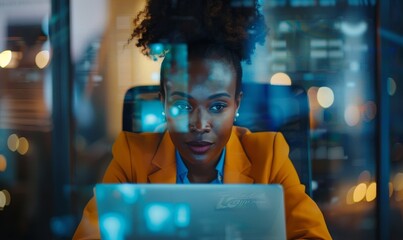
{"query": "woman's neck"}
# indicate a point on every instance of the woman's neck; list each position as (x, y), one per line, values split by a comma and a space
(202, 177)
(201, 173)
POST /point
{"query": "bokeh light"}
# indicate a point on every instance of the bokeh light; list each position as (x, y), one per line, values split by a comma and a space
(280, 78)
(113, 225)
(359, 192)
(7, 195)
(352, 115)
(150, 119)
(13, 142)
(42, 59)
(23, 146)
(353, 29)
(371, 192)
(369, 111)
(325, 97)
(174, 111)
(399, 196)
(5, 58)
(2, 200)
(398, 182)
(3, 163)
(391, 86)
(182, 215)
(157, 216)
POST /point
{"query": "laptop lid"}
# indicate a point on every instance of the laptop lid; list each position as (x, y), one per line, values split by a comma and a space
(191, 211)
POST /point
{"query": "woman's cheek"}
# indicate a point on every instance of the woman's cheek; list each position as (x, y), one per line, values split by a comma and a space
(178, 124)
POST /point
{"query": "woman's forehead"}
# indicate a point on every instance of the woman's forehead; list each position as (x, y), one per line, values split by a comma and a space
(210, 72)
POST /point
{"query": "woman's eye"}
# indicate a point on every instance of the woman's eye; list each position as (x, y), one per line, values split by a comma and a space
(182, 106)
(218, 107)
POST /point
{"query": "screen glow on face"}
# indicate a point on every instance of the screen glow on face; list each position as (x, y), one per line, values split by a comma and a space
(200, 108)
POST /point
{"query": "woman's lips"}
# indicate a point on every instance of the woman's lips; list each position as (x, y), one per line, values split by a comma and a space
(199, 147)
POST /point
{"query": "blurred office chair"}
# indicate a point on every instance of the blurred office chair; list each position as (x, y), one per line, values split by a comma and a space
(264, 107)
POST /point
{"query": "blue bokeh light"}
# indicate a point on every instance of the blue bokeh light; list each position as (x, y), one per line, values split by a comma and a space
(129, 194)
(182, 215)
(113, 225)
(158, 217)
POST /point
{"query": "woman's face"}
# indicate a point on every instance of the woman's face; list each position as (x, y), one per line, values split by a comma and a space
(200, 105)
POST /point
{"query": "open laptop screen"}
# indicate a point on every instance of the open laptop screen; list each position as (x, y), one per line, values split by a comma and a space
(194, 211)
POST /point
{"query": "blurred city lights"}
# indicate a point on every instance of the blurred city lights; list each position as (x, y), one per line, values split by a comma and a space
(182, 218)
(352, 115)
(368, 191)
(23, 146)
(2, 200)
(129, 195)
(42, 59)
(150, 119)
(13, 142)
(354, 66)
(174, 111)
(7, 195)
(398, 182)
(5, 58)
(3, 163)
(113, 225)
(371, 192)
(284, 27)
(391, 86)
(359, 192)
(399, 196)
(10, 59)
(157, 216)
(325, 97)
(280, 79)
(353, 30)
(369, 111)
(314, 185)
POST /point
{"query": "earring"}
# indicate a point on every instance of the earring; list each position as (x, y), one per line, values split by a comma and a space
(236, 116)
(163, 116)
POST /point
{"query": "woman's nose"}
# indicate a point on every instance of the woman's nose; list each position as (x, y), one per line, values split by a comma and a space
(200, 121)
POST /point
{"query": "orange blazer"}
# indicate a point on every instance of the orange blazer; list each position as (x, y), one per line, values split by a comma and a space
(250, 158)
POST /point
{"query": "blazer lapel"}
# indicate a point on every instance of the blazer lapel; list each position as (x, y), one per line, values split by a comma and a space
(164, 162)
(237, 165)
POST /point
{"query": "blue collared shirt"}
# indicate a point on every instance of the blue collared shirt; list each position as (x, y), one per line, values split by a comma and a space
(182, 170)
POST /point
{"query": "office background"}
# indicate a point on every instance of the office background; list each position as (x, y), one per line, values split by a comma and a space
(65, 67)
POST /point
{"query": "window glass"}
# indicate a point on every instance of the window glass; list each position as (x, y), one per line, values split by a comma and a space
(25, 119)
(325, 47)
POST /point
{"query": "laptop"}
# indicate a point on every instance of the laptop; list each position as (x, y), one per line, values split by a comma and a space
(191, 211)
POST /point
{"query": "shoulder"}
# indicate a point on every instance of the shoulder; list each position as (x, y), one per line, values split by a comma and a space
(145, 138)
(130, 139)
(258, 140)
(265, 149)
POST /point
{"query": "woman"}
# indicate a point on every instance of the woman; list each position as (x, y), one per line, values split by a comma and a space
(201, 93)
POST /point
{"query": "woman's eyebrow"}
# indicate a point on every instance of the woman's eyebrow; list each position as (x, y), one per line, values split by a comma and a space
(218, 95)
(181, 94)
(185, 95)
